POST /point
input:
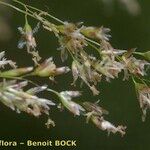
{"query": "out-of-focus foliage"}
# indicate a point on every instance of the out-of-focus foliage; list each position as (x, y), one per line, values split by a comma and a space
(132, 6)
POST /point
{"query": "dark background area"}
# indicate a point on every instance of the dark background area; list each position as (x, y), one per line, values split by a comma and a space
(118, 97)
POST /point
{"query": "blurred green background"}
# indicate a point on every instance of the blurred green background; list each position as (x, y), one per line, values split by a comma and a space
(128, 31)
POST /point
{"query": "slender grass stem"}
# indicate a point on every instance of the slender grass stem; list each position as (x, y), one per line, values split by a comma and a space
(93, 46)
(17, 9)
(36, 9)
(92, 41)
(52, 91)
(35, 84)
(138, 53)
